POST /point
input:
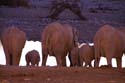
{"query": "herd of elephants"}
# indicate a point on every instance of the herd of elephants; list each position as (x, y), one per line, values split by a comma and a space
(59, 39)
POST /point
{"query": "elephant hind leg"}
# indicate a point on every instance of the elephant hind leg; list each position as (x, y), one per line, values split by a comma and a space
(11, 59)
(90, 65)
(16, 58)
(37, 63)
(81, 60)
(119, 62)
(27, 63)
(81, 63)
(44, 59)
(59, 60)
(63, 61)
(69, 56)
(8, 60)
(109, 61)
(97, 60)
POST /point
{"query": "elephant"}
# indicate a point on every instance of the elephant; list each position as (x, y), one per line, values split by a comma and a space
(58, 40)
(86, 54)
(110, 43)
(32, 57)
(13, 41)
(74, 54)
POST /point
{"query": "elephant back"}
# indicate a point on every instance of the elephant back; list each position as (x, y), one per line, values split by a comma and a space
(33, 57)
(73, 35)
(15, 38)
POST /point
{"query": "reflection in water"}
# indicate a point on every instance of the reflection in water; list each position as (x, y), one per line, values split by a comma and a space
(30, 45)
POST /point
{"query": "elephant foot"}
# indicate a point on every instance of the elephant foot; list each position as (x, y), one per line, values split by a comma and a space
(106, 66)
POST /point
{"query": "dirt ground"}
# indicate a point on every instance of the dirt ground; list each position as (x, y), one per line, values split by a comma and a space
(15, 74)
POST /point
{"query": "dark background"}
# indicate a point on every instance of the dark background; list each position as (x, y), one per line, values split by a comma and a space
(32, 19)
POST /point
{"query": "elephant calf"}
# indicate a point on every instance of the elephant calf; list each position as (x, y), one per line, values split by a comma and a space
(83, 54)
(32, 57)
(86, 54)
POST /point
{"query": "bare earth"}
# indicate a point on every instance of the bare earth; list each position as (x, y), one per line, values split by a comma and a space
(15, 74)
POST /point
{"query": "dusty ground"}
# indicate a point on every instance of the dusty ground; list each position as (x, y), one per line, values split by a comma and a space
(14, 74)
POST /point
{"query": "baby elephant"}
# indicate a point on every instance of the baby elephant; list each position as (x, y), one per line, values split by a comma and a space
(82, 54)
(32, 57)
(86, 54)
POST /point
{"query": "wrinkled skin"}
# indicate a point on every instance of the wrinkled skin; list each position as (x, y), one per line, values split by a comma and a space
(13, 41)
(58, 40)
(86, 54)
(32, 57)
(110, 43)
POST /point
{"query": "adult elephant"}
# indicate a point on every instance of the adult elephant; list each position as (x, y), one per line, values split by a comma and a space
(32, 57)
(110, 43)
(58, 40)
(13, 41)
